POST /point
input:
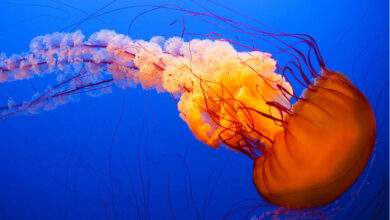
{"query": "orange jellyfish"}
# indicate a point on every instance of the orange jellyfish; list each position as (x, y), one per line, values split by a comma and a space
(318, 146)
(308, 154)
(307, 150)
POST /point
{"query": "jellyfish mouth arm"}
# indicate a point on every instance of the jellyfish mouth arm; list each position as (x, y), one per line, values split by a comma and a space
(83, 68)
(194, 71)
(65, 53)
(106, 58)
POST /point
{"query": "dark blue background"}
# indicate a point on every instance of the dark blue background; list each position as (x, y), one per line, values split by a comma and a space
(128, 155)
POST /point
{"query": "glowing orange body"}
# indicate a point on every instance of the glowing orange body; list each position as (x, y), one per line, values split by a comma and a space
(325, 146)
(311, 153)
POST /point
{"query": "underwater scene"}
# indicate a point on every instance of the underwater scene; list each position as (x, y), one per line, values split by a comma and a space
(194, 109)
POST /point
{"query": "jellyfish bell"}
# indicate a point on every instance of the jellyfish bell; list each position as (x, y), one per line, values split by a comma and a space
(325, 144)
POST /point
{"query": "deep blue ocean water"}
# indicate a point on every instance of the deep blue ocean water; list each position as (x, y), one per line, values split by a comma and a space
(127, 155)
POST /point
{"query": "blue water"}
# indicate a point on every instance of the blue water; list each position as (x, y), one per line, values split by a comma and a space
(128, 155)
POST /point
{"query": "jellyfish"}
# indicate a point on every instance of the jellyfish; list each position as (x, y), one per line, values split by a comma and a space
(307, 149)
